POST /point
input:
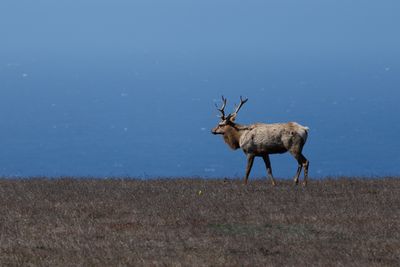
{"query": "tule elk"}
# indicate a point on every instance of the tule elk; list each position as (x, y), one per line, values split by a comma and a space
(260, 140)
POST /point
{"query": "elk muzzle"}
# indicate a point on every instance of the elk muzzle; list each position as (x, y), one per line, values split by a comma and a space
(216, 131)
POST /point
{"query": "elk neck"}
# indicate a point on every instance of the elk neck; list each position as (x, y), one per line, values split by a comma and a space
(232, 135)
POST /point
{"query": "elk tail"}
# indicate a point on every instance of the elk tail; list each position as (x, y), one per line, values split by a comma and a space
(303, 132)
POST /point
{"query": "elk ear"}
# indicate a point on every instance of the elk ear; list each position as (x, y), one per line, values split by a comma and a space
(232, 118)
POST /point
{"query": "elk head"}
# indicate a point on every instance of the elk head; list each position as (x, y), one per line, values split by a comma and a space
(227, 122)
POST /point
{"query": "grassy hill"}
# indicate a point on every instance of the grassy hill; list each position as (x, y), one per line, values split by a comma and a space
(95, 222)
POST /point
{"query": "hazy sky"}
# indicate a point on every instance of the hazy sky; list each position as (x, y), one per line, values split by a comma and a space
(128, 87)
(181, 30)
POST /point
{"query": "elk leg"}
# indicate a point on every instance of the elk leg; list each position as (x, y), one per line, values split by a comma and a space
(269, 169)
(306, 163)
(298, 156)
(302, 162)
(250, 160)
(296, 177)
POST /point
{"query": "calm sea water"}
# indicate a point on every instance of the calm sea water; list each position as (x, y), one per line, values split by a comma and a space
(127, 88)
(127, 120)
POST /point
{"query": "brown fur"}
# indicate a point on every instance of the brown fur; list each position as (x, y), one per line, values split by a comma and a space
(232, 137)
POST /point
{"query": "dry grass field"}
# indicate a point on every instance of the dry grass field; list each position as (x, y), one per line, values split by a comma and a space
(199, 222)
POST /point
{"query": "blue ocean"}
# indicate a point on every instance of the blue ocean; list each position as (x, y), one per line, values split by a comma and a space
(128, 88)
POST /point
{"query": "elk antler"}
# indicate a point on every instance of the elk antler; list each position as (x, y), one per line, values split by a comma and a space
(242, 102)
(222, 109)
